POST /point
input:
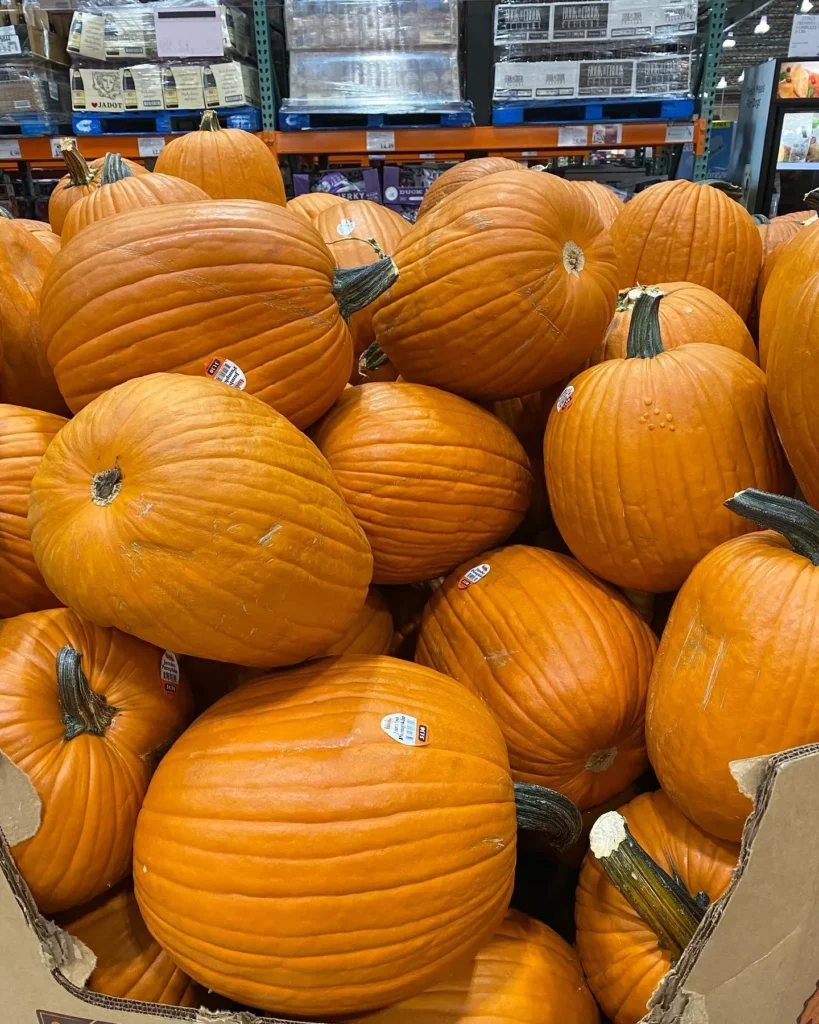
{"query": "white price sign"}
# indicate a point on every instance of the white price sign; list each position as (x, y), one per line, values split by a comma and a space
(9, 149)
(574, 135)
(150, 145)
(679, 132)
(804, 36)
(380, 142)
(189, 32)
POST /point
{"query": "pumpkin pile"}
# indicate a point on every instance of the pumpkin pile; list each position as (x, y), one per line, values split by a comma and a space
(290, 656)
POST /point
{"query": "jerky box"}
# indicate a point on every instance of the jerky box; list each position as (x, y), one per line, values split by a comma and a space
(407, 185)
(349, 183)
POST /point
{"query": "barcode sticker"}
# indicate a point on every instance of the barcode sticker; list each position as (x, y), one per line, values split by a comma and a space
(9, 40)
(226, 372)
(405, 729)
(473, 576)
(169, 673)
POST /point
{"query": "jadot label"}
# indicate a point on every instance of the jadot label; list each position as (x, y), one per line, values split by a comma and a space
(566, 399)
(474, 575)
(405, 729)
(226, 371)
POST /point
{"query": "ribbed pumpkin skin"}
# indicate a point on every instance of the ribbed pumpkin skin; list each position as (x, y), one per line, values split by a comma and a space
(361, 219)
(110, 313)
(525, 974)
(225, 164)
(370, 633)
(487, 304)
(360, 869)
(738, 648)
(637, 495)
(91, 787)
(431, 478)
(228, 539)
(793, 375)
(65, 194)
(25, 376)
(42, 232)
(132, 193)
(619, 953)
(560, 660)
(461, 174)
(24, 436)
(689, 313)
(796, 261)
(130, 962)
(311, 205)
(682, 231)
(608, 205)
(773, 243)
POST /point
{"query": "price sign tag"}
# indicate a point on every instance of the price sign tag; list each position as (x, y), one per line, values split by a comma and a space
(9, 149)
(189, 32)
(150, 145)
(574, 135)
(380, 142)
(679, 132)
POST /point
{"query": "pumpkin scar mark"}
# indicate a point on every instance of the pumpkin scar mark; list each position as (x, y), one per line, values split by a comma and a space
(495, 841)
(712, 678)
(271, 533)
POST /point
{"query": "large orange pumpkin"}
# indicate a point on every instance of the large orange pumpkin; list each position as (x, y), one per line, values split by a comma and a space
(688, 313)
(226, 163)
(38, 228)
(641, 453)
(311, 205)
(524, 973)
(793, 375)
(82, 179)
(25, 376)
(242, 288)
(120, 190)
(560, 660)
(736, 670)
(203, 521)
(130, 962)
(462, 173)
(504, 289)
(431, 478)
(84, 712)
(24, 436)
(366, 812)
(608, 204)
(686, 231)
(796, 261)
(621, 954)
(370, 633)
(346, 227)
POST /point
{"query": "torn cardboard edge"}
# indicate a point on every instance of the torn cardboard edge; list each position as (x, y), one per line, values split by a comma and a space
(21, 810)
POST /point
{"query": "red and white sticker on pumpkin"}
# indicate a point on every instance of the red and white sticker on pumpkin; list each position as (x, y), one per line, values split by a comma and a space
(405, 729)
(226, 372)
(169, 673)
(345, 227)
(566, 398)
(474, 575)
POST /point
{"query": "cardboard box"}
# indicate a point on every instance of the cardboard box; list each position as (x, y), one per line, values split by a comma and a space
(350, 183)
(664, 75)
(407, 185)
(97, 89)
(29, 91)
(231, 84)
(27, 31)
(752, 960)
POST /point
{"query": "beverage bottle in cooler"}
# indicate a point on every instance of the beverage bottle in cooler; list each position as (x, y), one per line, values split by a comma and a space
(211, 92)
(77, 89)
(169, 90)
(129, 89)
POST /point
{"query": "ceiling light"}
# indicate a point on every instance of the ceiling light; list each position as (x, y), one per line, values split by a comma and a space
(806, 6)
(722, 84)
(741, 77)
(728, 43)
(762, 27)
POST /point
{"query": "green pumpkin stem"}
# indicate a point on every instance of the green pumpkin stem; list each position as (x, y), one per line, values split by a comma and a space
(644, 340)
(795, 520)
(114, 169)
(5, 213)
(78, 170)
(760, 218)
(659, 900)
(728, 188)
(357, 287)
(379, 252)
(373, 357)
(210, 122)
(551, 814)
(812, 199)
(83, 710)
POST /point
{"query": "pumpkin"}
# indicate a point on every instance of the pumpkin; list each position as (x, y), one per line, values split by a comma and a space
(623, 956)
(226, 163)
(688, 313)
(774, 233)
(526, 416)
(25, 377)
(24, 436)
(734, 676)
(525, 972)
(461, 174)
(184, 288)
(608, 204)
(130, 962)
(431, 478)
(370, 633)
(120, 190)
(203, 521)
(38, 228)
(796, 261)
(687, 231)
(793, 371)
(346, 227)
(331, 764)
(85, 713)
(561, 661)
(503, 290)
(641, 452)
(311, 205)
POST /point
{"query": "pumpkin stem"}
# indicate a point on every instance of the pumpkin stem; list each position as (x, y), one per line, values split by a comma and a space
(83, 710)
(731, 190)
(549, 813)
(379, 252)
(629, 296)
(357, 287)
(373, 357)
(113, 169)
(812, 199)
(5, 213)
(78, 170)
(760, 218)
(659, 900)
(644, 340)
(210, 122)
(795, 520)
(106, 485)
